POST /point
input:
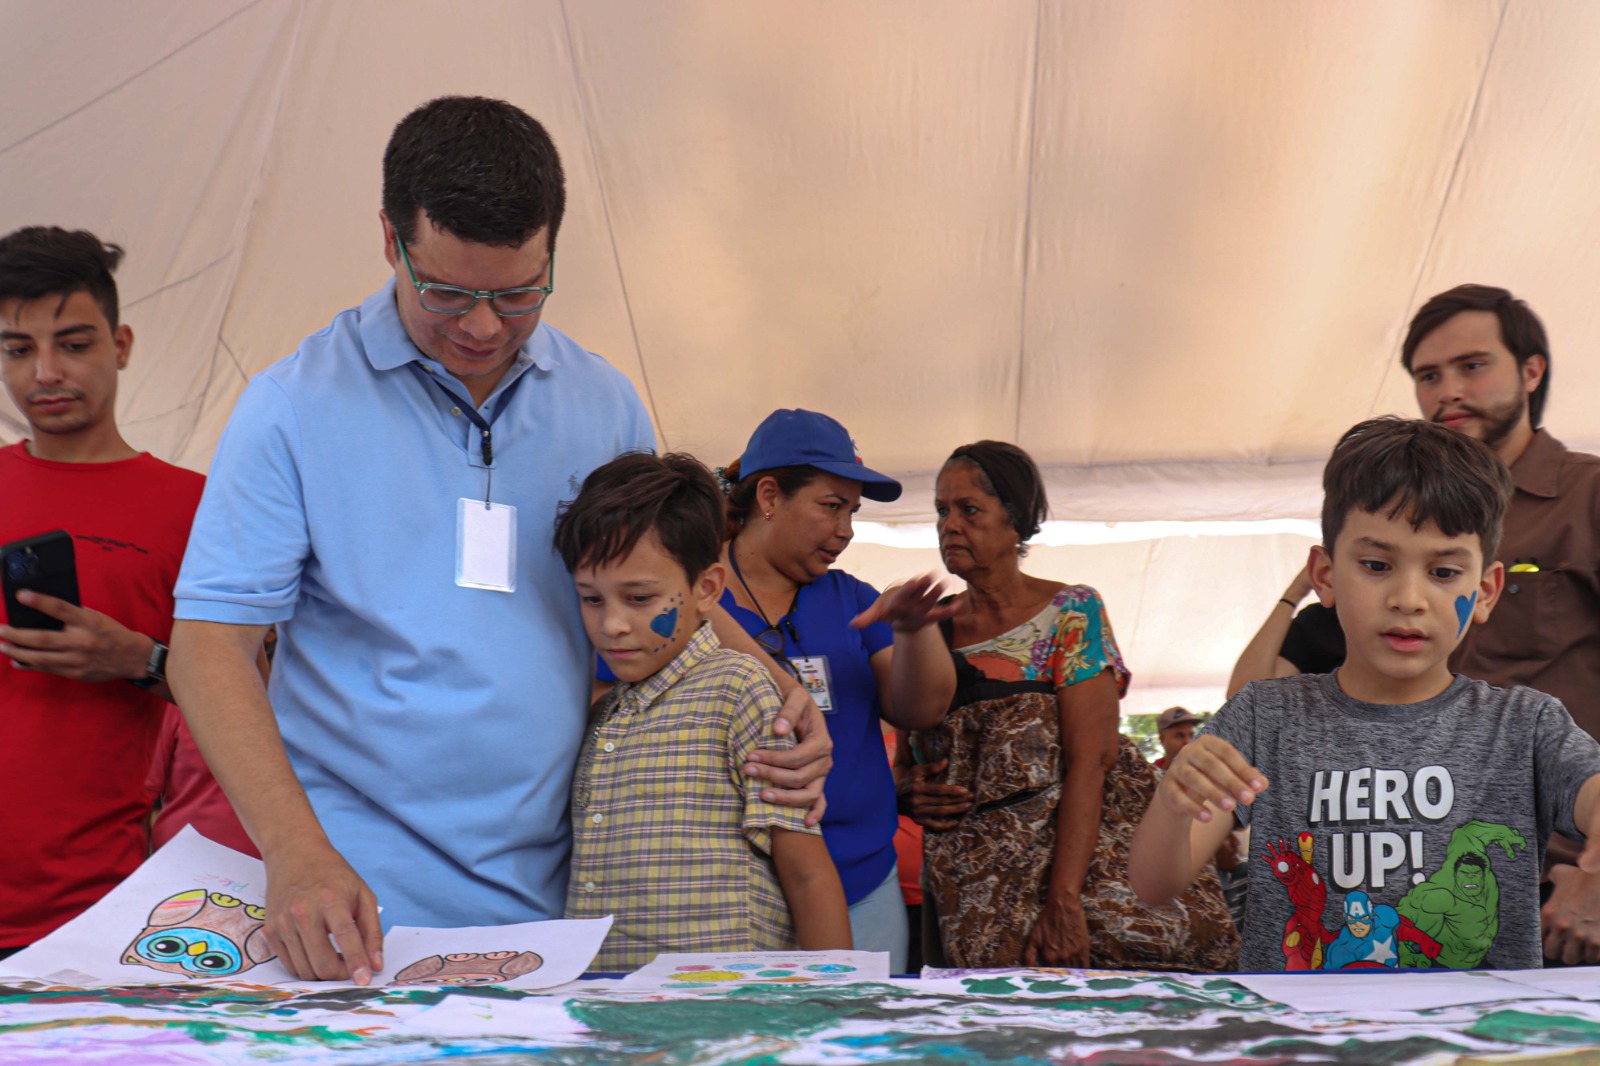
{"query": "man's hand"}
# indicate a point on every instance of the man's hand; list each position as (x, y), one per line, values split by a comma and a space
(1570, 918)
(1210, 769)
(908, 607)
(312, 894)
(934, 806)
(798, 773)
(92, 647)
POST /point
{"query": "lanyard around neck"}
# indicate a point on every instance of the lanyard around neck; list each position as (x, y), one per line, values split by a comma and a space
(485, 426)
(786, 619)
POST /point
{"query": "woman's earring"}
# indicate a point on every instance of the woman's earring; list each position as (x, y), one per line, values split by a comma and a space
(767, 515)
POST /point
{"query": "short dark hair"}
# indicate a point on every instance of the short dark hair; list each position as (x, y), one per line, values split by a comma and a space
(1010, 475)
(1421, 470)
(38, 261)
(482, 169)
(742, 490)
(673, 496)
(1520, 330)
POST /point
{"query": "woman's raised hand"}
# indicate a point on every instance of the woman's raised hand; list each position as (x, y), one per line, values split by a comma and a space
(908, 607)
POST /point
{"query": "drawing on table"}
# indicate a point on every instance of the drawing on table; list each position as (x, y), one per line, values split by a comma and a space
(796, 972)
(469, 968)
(202, 934)
(719, 971)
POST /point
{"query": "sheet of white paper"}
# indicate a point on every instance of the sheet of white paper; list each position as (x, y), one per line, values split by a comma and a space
(594, 986)
(1575, 982)
(1383, 992)
(192, 912)
(721, 970)
(461, 1015)
(529, 955)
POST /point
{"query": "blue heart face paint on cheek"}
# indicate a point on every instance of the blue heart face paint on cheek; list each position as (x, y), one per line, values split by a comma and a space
(665, 624)
(1464, 606)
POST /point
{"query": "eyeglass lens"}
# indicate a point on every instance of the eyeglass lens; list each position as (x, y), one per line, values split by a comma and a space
(452, 301)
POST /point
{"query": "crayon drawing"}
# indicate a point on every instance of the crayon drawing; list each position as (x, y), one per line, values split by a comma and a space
(469, 968)
(787, 972)
(714, 970)
(202, 934)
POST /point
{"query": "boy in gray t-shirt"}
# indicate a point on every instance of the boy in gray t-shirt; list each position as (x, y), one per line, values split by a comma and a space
(1409, 808)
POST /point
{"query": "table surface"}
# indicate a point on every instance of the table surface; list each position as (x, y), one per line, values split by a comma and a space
(972, 1019)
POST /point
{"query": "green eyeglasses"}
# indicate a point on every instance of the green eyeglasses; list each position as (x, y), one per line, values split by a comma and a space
(454, 300)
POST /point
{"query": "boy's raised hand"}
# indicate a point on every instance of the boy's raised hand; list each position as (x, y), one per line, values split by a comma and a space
(1208, 768)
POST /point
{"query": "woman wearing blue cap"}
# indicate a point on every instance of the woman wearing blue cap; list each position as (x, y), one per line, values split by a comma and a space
(864, 657)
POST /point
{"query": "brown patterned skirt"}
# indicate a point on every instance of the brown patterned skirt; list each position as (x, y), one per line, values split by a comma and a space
(988, 879)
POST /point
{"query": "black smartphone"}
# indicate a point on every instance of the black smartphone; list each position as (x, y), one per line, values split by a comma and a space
(44, 564)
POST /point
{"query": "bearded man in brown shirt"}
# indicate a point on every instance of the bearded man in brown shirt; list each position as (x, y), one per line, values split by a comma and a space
(1480, 361)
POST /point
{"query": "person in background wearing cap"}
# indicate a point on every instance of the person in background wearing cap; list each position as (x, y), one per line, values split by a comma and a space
(791, 498)
(1175, 727)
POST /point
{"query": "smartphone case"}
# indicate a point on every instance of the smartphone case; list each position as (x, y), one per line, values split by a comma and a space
(46, 564)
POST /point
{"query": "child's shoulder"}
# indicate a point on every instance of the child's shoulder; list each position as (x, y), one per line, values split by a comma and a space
(725, 667)
(1483, 698)
(1299, 692)
(1471, 689)
(1280, 692)
(735, 690)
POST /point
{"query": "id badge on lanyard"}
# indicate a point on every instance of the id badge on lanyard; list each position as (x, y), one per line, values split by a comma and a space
(812, 670)
(486, 532)
(486, 545)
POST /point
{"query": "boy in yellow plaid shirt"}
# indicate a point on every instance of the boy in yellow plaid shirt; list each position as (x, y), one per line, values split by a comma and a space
(668, 833)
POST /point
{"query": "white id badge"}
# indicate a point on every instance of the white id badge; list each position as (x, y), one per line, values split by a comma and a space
(813, 671)
(486, 546)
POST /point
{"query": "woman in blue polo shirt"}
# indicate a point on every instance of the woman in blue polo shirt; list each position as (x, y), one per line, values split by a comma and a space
(791, 499)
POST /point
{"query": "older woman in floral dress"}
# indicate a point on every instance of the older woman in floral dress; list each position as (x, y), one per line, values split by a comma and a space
(1028, 791)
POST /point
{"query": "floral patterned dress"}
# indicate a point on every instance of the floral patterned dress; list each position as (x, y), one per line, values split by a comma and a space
(988, 877)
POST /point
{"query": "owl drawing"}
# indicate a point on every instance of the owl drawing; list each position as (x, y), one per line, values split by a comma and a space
(469, 968)
(202, 934)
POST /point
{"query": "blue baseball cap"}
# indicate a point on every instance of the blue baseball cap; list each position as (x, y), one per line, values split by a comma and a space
(805, 438)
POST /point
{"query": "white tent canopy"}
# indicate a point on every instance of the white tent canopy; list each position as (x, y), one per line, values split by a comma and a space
(1168, 247)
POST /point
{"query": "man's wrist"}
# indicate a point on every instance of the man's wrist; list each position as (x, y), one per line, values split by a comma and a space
(290, 837)
(154, 666)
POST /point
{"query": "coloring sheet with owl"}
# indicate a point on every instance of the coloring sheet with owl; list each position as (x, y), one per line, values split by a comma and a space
(195, 912)
(532, 955)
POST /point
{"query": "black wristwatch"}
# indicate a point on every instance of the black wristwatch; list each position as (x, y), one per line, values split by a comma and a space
(155, 668)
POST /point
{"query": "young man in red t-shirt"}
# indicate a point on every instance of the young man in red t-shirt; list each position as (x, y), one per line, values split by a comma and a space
(80, 709)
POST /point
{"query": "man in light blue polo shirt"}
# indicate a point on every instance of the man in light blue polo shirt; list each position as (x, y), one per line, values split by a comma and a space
(386, 495)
